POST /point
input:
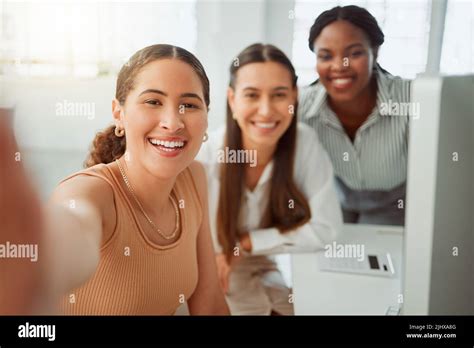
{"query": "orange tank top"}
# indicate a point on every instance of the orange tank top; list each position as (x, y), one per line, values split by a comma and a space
(136, 276)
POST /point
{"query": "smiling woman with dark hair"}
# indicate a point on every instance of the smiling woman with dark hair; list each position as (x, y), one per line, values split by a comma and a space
(350, 108)
(129, 235)
(285, 202)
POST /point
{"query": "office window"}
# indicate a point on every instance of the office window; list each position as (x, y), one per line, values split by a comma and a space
(404, 23)
(458, 48)
(87, 38)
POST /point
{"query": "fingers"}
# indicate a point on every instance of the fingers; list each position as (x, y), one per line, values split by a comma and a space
(225, 280)
(223, 274)
(222, 283)
(223, 270)
(20, 216)
(19, 205)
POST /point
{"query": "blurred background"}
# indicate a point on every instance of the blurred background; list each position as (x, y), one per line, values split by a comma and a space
(59, 59)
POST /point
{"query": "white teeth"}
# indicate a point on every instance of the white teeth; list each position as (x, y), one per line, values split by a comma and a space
(265, 125)
(168, 144)
(341, 82)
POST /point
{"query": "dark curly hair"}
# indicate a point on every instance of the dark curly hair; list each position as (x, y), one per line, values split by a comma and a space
(355, 15)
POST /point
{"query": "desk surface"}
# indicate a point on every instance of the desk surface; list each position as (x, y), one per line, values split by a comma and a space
(324, 293)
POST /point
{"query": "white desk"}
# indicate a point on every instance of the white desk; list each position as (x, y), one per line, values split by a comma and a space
(318, 292)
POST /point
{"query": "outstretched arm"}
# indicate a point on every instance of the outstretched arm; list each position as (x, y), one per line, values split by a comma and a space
(67, 240)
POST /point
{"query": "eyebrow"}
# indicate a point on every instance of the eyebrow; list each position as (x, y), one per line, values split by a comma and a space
(191, 95)
(274, 89)
(183, 95)
(157, 91)
(347, 48)
(354, 45)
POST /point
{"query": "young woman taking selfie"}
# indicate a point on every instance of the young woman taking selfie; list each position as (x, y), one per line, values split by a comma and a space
(130, 234)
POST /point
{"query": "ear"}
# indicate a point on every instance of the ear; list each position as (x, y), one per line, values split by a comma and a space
(295, 93)
(117, 112)
(231, 98)
(375, 52)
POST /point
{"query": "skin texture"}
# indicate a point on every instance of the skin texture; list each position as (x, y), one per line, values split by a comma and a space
(344, 51)
(263, 92)
(20, 214)
(71, 237)
(149, 114)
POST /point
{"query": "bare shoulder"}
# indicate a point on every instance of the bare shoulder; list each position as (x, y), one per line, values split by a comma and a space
(199, 175)
(92, 193)
(85, 187)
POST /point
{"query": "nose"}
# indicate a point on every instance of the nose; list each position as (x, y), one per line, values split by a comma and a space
(265, 106)
(340, 63)
(171, 120)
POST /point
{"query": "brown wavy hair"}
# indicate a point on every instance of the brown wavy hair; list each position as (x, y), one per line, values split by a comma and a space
(106, 146)
(232, 175)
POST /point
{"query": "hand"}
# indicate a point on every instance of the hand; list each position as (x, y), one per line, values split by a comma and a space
(223, 272)
(246, 242)
(22, 223)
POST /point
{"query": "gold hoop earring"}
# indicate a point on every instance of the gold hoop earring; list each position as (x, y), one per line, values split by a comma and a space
(119, 132)
(205, 137)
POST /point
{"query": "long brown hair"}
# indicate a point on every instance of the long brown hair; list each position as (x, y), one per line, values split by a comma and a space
(279, 212)
(107, 147)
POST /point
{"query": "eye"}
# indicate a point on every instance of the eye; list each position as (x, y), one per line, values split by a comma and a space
(324, 57)
(189, 106)
(153, 102)
(357, 53)
(280, 95)
(251, 95)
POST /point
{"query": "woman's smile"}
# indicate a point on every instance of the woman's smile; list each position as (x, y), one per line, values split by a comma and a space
(168, 146)
(265, 127)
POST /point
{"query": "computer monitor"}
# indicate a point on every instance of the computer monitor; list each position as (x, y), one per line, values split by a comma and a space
(438, 259)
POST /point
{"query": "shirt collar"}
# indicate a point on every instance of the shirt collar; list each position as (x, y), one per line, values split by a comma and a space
(264, 178)
(383, 86)
(267, 173)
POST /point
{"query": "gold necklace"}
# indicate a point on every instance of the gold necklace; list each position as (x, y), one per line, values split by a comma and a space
(175, 205)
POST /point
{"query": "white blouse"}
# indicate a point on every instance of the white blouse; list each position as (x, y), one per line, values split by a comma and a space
(313, 175)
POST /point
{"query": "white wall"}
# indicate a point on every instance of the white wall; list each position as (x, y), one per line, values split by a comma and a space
(53, 145)
(226, 28)
(37, 124)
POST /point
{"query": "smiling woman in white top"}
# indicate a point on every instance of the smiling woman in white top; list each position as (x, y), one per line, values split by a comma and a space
(271, 184)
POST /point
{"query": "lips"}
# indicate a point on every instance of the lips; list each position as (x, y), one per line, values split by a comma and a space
(342, 83)
(265, 127)
(168, 144)
(169, 147)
